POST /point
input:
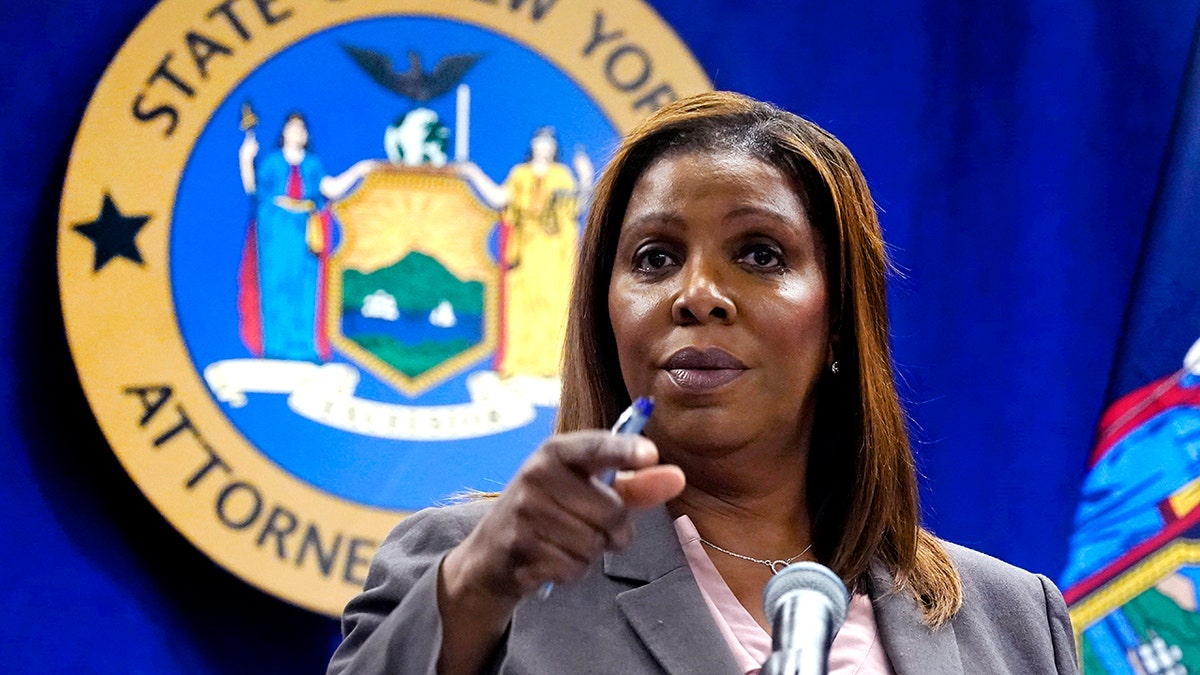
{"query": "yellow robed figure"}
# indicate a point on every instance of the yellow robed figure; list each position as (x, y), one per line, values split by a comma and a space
(539, 203)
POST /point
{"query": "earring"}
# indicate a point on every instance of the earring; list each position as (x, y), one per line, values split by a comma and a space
(833, 368)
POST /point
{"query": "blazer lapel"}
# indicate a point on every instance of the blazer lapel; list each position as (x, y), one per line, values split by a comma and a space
(912, 647)
(667, 612)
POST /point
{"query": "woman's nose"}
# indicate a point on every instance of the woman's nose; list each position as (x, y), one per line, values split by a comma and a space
(702, 296)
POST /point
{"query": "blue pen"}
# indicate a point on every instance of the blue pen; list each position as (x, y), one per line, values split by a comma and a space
(632, 421)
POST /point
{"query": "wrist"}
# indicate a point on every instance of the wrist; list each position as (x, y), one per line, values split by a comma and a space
(473, 619)
(465, 583)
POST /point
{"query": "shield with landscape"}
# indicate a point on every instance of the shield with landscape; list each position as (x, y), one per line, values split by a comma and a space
(413, 286)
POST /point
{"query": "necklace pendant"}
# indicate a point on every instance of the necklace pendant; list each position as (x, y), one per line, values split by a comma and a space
(777, 566)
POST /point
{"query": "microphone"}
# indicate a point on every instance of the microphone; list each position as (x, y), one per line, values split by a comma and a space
(806, 603)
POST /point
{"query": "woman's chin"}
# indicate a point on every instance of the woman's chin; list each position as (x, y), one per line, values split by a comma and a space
(702, 435)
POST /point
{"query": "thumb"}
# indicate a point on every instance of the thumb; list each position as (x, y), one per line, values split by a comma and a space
(650, 486)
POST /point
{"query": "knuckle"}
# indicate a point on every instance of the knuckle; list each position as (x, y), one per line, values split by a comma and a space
(520, 559)
(587, 446)
(617, 529)
(526, 579)
(616, 515)
(620, 538)
(523, 509)
(573, 571)
(599, 541)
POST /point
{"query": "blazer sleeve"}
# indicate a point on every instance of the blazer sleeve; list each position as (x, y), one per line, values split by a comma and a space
(1066, 660)
(394, 625)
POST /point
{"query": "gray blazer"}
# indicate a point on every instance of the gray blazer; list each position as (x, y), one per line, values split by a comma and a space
(640, 611)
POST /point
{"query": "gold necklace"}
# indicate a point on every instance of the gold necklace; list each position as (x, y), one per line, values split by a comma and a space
(775, 565)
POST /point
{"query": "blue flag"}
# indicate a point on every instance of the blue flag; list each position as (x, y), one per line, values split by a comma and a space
(1134, 562)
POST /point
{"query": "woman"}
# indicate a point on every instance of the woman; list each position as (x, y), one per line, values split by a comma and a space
(288, 244)
(539, 204)
(732, 267)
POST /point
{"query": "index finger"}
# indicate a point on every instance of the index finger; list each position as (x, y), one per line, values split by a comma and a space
(593, 452)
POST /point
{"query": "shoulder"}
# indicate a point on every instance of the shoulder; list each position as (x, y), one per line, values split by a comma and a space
(273, 161)
(420, 540)
(995, 588)
(416, 544)
(519, 172)
(559, 174)
(1010, 609)
(981, 568)
(311, 166)
(436, 529)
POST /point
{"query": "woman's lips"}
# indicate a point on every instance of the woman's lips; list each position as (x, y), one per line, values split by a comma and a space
(699, 370)
(698, 379)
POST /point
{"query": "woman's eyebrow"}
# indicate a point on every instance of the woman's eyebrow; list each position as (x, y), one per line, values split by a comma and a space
(660, 217)
(765, 210)
(672, 220)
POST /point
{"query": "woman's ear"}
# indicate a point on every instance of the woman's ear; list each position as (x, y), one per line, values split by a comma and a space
(835, 333)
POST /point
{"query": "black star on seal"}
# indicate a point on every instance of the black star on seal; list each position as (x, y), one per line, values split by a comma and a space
(113, 232)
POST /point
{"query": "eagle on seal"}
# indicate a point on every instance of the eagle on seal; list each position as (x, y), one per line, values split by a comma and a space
(417, 137)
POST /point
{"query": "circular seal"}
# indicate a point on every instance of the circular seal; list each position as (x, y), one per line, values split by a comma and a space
(313, 257)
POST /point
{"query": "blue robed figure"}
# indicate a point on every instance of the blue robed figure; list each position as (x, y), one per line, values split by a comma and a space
(282, 278)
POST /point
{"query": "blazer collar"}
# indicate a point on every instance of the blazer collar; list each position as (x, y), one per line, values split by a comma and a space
(912, 647)
(667, 611)
(669, 614)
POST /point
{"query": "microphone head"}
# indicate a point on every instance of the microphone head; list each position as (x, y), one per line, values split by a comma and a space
(808, 576)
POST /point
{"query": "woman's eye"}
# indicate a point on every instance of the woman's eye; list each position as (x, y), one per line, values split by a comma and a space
(652, 259)
(763, 256)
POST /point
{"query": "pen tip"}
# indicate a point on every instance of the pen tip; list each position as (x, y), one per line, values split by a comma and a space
(644, 405)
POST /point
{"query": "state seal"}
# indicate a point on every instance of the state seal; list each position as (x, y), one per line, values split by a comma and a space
(315, 257)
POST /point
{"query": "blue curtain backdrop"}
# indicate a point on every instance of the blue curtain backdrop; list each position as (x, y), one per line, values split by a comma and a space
(1014, 149)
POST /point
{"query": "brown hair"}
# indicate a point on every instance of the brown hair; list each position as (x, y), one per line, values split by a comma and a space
(861, 480)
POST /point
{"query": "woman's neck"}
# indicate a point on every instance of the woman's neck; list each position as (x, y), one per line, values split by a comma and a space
(761, 513)
(293, 155)
(744, 529)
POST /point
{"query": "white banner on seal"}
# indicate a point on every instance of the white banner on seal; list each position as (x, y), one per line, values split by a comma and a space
(325, 394)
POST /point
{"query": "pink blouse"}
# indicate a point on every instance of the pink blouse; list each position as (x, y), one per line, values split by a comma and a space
(856, 649)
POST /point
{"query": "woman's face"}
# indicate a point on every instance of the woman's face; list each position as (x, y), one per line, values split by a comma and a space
(295, 133)
(718, 302)
(543, 147)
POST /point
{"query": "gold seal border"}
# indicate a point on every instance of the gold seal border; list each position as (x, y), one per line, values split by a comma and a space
(120, 320)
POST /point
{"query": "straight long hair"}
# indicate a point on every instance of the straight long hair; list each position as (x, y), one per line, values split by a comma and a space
(861, 478)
